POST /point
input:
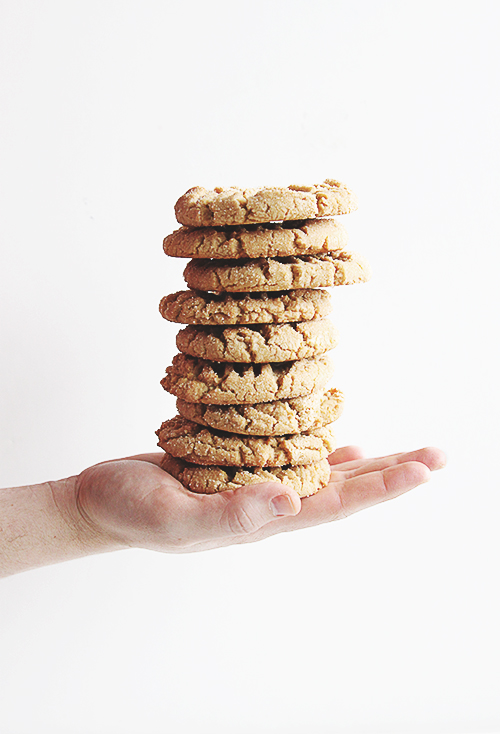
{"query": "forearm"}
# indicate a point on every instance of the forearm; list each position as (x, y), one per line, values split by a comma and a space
(41, 525)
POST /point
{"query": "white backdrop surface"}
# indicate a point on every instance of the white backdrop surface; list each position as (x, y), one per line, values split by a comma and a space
(385, 622)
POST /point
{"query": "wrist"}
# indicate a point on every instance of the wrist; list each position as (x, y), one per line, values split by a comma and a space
(85, 534)
(41, 525)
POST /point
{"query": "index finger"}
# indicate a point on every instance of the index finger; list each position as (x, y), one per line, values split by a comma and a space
(152, 458)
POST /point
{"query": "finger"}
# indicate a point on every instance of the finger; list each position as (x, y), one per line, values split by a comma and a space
(432, 457)
(366, 490)
(152, 458)
(245, 510)
(224, 514)
(340, 499)
(237, 512)
(346, 453)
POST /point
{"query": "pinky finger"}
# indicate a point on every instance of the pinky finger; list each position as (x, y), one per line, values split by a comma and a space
(346, 453)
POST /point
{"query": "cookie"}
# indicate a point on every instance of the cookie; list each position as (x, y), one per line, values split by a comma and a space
(196, 380)
(212, 309)
(201, 208)
(339, 267)
(189, 441)
(261, 343)
(305, 479)
(268, 419)
(306, 237)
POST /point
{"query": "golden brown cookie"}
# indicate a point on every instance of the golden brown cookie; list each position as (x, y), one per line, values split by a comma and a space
(201, 208)
(212, 309)
(306, 237)
(196, 380)
(267, 274)
(269, 419)
(190, 441)
(261, 343)
(305, 479)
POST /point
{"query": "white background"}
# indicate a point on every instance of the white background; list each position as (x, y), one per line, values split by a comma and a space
(386, 622)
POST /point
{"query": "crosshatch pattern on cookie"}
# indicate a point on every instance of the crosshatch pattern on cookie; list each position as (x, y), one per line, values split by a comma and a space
(220, 383)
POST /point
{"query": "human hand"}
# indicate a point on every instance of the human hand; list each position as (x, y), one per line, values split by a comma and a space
(134, 503)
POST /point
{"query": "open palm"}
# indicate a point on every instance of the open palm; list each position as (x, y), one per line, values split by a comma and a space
(137, 504)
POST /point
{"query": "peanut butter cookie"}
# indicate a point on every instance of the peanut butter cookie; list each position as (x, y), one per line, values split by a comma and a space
(305, 479)
(339, 267)
(268, 419)
(190, 441)
(201, 208)
(306, 237)
(212, 309)
(197, 380)
(261, 343)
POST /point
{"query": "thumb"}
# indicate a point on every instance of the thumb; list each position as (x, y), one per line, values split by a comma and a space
(255, 505)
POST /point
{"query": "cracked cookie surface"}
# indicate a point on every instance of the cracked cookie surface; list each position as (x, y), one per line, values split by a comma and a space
(197, 380)
(306, 479)
(212, 309)
(261, 343)
(260, 240)
(226, 206)
(268, 419)
(199, 445)
(339, 267)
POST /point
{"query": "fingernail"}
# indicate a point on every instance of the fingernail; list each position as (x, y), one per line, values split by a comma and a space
(282, 505)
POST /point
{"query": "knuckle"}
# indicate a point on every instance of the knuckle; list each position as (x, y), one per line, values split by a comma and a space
(240, 522)
(341, 512)
(384, 485)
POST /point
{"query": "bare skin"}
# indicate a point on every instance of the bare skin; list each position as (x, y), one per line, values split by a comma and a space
(133, 503)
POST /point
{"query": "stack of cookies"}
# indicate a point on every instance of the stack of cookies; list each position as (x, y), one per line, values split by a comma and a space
(252, 369)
